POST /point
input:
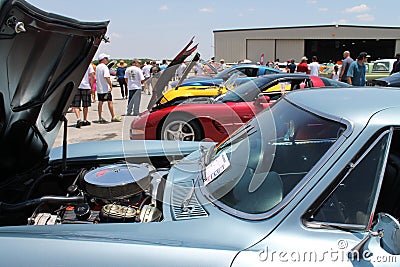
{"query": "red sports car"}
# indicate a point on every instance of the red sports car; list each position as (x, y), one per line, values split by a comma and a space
(215, 118)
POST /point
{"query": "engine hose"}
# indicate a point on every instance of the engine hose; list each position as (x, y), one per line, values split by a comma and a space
(35, 183)
(46, 199)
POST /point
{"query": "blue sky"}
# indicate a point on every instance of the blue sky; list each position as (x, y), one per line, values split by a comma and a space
(159, 29)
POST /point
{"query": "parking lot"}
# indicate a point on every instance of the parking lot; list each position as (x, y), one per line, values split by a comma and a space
(98, 132)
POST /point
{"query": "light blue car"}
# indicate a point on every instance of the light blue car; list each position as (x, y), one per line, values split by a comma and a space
(312, 181)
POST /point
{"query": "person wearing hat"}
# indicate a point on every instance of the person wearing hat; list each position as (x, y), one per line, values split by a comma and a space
(104, 87)
(396, 65)
(121, 68)
(356, 75)
(303, 66)
(222, 65)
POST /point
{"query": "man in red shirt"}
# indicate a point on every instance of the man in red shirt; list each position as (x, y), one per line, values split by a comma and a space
(303, 66)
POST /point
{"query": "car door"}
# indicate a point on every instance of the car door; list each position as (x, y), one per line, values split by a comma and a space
(344, 212)
(336, 228)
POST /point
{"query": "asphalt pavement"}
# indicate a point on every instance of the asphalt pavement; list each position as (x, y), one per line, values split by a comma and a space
(98, 132)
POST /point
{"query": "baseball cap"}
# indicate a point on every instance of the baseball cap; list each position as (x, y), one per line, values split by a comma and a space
(103, 55)
(363, 55)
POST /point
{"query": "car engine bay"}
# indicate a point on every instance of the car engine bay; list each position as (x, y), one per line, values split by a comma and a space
(119, 192)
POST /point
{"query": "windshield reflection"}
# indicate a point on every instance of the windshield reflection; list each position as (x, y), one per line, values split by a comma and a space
(269, 156)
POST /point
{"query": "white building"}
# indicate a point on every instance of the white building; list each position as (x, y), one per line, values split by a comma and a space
(327, 42)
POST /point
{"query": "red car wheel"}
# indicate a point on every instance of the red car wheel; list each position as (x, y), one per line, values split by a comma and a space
(181, 127)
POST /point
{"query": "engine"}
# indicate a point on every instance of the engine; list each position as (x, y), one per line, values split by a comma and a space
(117, 193)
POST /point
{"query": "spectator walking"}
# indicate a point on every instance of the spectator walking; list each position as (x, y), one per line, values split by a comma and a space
(303, 66)
(154, 75)
(314, 66)
(346, 62)
(104, 88)
(356, 75)
(180, 70)
(146, 72)
(164, 65)
(121, 68)
(222, 65)
(198, 69)
(83, 97)
(94, 83)
(335, 73)
(291, 66)
(396, 65)
(135, 79)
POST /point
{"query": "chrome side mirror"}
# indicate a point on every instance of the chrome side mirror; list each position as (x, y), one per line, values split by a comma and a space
(387, 228)
(390, 241)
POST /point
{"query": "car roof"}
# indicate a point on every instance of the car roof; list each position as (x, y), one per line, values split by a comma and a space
(356, 104)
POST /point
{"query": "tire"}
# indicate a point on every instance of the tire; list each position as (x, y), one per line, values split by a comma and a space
(181, 127)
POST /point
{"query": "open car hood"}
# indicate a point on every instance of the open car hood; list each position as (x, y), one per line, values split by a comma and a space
(44, 57)
(169, 73)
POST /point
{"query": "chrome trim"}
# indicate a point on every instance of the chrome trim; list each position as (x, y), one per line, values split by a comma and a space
(388, 145)
(289, 197)
(334, 226)
(317, 224)
(347, 122)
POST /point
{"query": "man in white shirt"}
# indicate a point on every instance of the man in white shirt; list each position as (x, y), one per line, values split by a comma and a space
(222, 65)
(314, 66)
(198, 69)
(180, 70)
(84, 97)
(104, 87)
(135, 79)
(146, 72)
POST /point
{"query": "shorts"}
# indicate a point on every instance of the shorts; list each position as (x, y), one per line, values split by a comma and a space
(83, 96)
(104, 97)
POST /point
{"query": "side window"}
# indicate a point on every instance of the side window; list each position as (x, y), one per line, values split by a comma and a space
(354, 193)
(269, 72)
(249, 72)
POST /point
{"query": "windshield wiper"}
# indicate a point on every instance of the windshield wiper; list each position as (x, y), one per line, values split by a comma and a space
(239, 136)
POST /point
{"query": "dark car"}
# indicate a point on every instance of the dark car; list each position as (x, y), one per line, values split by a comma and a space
(392, 80)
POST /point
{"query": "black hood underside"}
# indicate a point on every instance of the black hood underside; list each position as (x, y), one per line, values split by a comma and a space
(42, 64)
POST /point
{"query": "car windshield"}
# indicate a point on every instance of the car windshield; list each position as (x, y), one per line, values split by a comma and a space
(225, 74)
(246, 92)
(264, 161)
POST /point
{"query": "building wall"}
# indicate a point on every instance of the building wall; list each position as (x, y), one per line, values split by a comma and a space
(288, 49)
(234, 45)
(255, 48)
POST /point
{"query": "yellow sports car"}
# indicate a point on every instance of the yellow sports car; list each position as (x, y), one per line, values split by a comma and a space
(183, 92)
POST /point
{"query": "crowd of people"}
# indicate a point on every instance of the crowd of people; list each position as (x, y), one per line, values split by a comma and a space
(136, 79)
(133, 81)
(349, 71)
